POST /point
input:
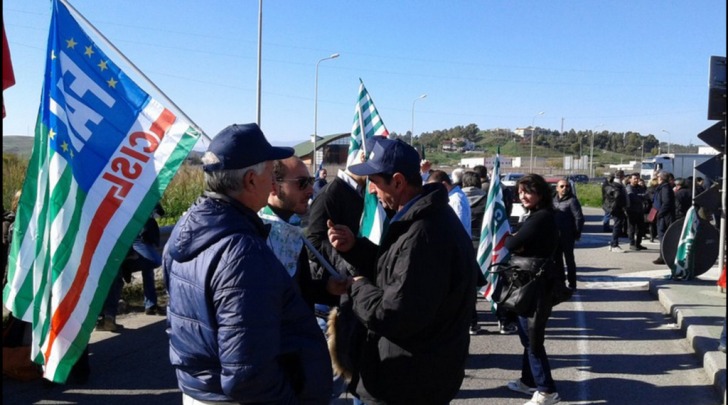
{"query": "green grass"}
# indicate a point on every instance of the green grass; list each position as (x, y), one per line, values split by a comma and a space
(590, 194)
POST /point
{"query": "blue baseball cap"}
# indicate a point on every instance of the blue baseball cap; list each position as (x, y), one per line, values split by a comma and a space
(389, 156)
(242, 145)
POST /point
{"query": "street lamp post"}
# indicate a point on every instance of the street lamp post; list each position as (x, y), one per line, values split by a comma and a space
(668, 139)
(412, 130)
(533, 133)
(315, 111)
(591, 152)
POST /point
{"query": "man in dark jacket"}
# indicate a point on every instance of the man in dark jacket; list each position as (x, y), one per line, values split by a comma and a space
(683, 197)
(570, 222)
(415, 292)
(615, 202)
(664, 202)
(238, 327)
(635, 212)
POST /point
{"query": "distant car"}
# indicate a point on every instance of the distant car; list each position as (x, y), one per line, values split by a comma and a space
(579, 178)
(510, 179)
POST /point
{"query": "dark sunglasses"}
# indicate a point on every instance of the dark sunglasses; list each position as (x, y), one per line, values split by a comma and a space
(563, 185)
(303, 182)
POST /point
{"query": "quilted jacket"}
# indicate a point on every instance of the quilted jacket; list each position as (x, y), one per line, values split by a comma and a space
(238, 327)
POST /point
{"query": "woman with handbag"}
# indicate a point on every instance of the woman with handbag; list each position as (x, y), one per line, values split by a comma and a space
(537, 239)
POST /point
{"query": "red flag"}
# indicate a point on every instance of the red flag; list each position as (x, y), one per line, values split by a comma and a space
(8, 76)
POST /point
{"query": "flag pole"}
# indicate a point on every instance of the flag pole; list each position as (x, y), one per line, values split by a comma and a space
(133, 66)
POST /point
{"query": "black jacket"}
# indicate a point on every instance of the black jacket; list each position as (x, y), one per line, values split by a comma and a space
(343, 205)
(416, 305)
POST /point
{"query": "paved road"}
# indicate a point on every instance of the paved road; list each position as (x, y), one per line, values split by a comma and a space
(613, 343)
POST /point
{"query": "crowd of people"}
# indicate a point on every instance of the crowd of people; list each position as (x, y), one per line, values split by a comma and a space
(637, 209)
(388, 311)
(255, 298)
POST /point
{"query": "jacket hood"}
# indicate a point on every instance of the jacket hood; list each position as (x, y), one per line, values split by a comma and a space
(211, 218)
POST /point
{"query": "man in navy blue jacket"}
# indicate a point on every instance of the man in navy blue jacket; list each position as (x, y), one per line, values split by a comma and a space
(239, 329)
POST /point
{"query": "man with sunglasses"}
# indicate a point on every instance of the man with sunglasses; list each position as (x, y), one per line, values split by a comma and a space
(292, 189)
(570, 221)
(238, 327)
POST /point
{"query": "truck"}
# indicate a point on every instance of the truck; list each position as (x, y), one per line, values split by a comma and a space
(679, 164)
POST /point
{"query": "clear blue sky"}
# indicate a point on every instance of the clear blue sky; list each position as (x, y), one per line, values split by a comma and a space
(631, 65)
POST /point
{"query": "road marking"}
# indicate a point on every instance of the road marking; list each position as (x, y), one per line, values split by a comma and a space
(583, 348)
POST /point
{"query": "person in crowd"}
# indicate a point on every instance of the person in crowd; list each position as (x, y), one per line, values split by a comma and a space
(614, 202)
(286, 204)
(147, 259)
(456, 177)
(414, 301)
(635, 212)
(699, 185)
(607, 216)
(477, 199)
(570, 222)
(484, 179)
(8, 225)
(238, 327)
(537, 237)
(343, 203)
(664, 202)
(650, 195)
(425, 168)
(683, 197)
(106, 320)
(457, 199)
(320, 182)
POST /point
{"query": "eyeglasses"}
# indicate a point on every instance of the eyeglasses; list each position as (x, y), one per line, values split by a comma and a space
(303, 182)
(563, 186)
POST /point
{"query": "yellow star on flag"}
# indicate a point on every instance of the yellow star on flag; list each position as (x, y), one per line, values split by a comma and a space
(53, 54)
(89, 51)
(64, 146)
(112, 83)
(51, 133)
(102, 65)
(70, 43)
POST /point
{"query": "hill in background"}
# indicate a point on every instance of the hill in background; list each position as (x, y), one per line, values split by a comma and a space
(18, 145)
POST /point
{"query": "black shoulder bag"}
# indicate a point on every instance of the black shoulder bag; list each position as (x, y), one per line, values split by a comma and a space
(522, 278)
(519, 283)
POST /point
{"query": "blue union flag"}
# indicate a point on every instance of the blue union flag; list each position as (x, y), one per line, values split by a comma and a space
(103, 154)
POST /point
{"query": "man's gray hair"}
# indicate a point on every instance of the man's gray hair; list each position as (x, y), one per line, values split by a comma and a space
(665, 176)
(227, 182)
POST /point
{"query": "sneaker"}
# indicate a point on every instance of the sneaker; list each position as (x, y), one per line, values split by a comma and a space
(474, 329)
(659, 260)
(542, 398)
(616, 249)
(508, 329)
(155, 310)
(519, 386)
(633, 247)
(640, 247)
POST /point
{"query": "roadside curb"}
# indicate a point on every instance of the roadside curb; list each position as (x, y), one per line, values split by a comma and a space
(698, 308)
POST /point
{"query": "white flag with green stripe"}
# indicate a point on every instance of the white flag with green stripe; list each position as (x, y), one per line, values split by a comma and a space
(104, 152)
(367, 124)
(494, 231)
(684, 268)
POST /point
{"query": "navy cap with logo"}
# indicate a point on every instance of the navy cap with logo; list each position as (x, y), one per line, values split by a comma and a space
(388, 157)
(242, 145)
